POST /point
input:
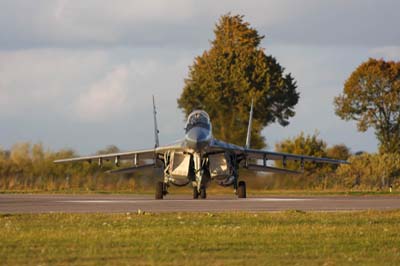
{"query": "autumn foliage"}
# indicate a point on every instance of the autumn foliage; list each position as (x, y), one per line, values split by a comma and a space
(371, 96)
(365, 172)
(29, 167)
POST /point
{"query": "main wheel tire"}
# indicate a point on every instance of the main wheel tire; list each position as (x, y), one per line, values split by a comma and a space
(195, 193)
(203, 192)
(159, 190)
(242, 190)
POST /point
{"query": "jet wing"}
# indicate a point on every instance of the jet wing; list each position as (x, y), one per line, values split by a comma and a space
(141, 154)
(276, 156)
(121, 156)
(218, 145)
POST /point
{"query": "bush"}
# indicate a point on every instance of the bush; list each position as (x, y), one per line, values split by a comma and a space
(371, 171)
(30, 167)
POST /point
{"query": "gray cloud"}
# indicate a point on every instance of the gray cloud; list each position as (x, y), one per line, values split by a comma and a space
(91, 23)
(387, 52)
(189, 23)
(78, 93)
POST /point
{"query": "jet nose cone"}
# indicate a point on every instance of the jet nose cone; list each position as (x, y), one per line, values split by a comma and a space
(197, 138)
(197, 135)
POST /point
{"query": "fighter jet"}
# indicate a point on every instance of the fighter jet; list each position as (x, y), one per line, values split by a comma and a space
(199, 159)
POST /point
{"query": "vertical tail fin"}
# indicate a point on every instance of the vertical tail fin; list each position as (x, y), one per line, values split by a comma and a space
(248, 138)
(156, 131)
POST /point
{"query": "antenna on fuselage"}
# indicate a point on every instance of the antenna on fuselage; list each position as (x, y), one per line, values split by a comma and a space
(156, 131)
(248, 138)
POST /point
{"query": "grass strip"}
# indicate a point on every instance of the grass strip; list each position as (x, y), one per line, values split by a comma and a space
(286, 238)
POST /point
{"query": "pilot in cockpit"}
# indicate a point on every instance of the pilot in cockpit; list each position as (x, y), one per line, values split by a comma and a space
(198, 119)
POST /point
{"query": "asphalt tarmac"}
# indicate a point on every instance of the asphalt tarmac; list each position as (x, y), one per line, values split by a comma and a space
(22, 203)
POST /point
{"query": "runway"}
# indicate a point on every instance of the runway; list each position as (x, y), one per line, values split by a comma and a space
(21, 203)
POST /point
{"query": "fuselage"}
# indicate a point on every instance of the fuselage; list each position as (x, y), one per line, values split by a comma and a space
(198, 130)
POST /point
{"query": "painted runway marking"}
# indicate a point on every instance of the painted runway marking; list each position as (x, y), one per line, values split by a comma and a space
(275, 199)
(185, 200)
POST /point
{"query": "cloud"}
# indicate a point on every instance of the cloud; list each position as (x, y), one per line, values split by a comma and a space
(67, 80)
(180, 23)
(106, 98)
(386, 52)
(61, 96)
(320, 73)
(37, 79)
(356, 23)
(89, 23)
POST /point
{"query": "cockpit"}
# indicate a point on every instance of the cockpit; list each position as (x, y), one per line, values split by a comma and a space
(198, 118)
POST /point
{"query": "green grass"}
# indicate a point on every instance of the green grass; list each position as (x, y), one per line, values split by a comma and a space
(287, 238)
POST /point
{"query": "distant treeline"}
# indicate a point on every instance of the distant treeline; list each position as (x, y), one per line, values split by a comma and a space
(27, 167)
(366, 171)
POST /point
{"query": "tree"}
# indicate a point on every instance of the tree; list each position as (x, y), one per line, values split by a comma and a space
(371, 96)
(316, 175)
(21, 158)
(309, 145)
(108, 149)
(235, 70)
(371, 171)
(339, 152)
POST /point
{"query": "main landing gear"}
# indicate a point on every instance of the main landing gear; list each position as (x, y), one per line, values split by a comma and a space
(195, 193)
(161, 190)
(241, 190)
(203, 192)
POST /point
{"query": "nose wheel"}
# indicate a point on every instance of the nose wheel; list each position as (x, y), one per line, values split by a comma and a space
(202, 193)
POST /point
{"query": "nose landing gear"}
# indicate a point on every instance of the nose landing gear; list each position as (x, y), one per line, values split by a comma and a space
(202, 193)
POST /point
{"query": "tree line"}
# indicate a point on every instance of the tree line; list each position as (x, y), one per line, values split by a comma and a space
(365, 171)
(27, 167)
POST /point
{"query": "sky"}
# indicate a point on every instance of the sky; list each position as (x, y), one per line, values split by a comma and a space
(80, 74)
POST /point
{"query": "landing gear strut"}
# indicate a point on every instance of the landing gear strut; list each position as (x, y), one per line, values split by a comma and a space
(241, 191)
(195, 193)
(203, 192)
(160, 190)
